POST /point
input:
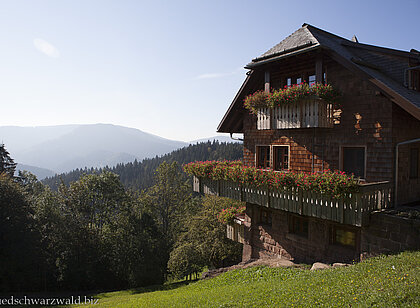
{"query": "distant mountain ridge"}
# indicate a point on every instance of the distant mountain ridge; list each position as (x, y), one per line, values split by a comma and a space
(40, 173)
(66, 147)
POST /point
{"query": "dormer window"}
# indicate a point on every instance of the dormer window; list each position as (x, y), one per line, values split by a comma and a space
(290, 81)
(297, 80)
(414, 80)
(312, 80)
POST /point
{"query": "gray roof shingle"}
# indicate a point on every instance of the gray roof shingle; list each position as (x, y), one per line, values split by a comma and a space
(300, 37)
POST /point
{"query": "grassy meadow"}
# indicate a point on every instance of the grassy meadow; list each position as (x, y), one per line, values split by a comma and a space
(385, 281)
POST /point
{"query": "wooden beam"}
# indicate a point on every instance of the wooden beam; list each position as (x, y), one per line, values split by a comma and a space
(318, 69)
(267, 81)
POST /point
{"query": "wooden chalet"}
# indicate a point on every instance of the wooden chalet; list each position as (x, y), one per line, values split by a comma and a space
(373, 134)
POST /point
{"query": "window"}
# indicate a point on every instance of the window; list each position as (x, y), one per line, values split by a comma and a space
(414, 163)
(353, 160)
(290, 81)
(343, 236)
(281, 158)
(265, 218)
(263, 157)
(312, 80)
(298, 225)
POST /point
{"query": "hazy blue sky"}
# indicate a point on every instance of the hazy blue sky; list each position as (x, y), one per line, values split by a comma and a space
(166, 67)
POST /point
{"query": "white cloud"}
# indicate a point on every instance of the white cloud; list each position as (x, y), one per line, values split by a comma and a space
(46, 48)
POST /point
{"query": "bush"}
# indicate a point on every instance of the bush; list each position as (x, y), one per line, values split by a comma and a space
(227, 215)
(185, 260)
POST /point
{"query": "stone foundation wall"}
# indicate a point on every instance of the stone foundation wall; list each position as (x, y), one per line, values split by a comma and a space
(262, 239)
(389, 234)
(384, 234)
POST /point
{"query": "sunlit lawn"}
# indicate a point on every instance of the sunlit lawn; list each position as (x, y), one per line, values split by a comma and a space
(392, 281)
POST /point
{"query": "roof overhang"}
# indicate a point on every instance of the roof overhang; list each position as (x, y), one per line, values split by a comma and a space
(232, 121)
(397, 99)
(360, 69)
(281, 56)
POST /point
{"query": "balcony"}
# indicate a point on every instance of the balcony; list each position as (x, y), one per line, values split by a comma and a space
(354, 209)
(307, 113)
(298, 106)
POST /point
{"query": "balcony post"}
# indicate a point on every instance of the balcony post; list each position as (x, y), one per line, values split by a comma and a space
(267, 89)
(267, 81)
(250, 224)
(318, 69)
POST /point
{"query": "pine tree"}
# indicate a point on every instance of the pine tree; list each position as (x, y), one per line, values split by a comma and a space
(7, 165)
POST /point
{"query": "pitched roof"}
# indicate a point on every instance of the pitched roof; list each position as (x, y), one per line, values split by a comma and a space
(299, 39)
(384, 67)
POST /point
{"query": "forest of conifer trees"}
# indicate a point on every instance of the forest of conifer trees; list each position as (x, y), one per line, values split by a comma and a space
(139, 175)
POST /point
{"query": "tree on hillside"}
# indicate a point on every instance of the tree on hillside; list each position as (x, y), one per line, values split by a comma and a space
(168, 201)
(204, 242)
(92, 206)
(185, 259)
(96, 236)
(134, 245)
(168, 198)
(7, 165)
(19, 262)
(96, 198)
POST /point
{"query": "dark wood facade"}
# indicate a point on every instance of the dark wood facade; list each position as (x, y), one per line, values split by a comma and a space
(375, 135)
(315, 149)
(368, 120)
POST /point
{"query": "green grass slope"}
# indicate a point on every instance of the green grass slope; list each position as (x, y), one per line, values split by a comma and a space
(392, 281)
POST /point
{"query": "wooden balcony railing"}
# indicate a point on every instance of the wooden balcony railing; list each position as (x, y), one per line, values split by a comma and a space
(309, 112)
(353, 209)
